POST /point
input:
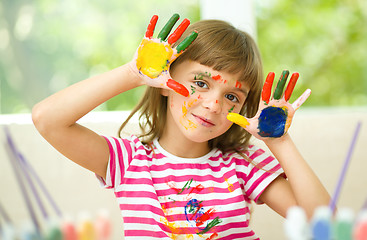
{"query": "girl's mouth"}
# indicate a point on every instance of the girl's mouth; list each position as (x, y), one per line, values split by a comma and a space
(203, 121)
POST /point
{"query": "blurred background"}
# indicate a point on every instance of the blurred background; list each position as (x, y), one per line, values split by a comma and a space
(46, 45)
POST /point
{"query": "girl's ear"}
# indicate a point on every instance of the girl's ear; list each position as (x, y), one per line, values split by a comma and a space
(164, 92)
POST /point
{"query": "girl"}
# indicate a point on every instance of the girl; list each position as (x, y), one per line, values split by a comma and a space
(191, 174)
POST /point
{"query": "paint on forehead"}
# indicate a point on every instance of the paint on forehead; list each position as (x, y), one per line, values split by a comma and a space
(238, 84)
(272, 122)
(219, 79)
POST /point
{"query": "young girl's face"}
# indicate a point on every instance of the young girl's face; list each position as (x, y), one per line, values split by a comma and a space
(203, 115)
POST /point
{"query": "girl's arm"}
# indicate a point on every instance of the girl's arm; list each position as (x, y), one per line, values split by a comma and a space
(56, 116)
(302, 187)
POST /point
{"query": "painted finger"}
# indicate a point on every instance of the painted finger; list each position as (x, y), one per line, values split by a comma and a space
(151, 26)
(301, 99)
(177, 87)
(280, 85)
(266, 92)
(179, 31)
(168, 27)
(187, 41)
(238, 119)
(290, 87)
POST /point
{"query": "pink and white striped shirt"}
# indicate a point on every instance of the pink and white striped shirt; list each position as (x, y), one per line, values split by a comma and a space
(162, 196)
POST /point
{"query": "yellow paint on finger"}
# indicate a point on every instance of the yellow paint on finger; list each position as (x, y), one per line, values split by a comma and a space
(238, 119)
(153, 58)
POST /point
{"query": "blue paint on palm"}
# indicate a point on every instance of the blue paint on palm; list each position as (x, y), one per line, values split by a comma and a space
(272, 122)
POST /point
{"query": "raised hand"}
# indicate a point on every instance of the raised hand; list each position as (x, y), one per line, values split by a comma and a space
(275, 114)
(155, 55)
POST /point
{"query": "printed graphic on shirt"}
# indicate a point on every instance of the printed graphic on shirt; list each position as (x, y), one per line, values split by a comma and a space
(197, 216)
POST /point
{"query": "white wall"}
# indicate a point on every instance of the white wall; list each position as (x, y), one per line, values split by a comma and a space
(322, 135)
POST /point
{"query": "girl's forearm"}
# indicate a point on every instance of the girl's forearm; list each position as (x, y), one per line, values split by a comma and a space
(306, 186)
(65, 107)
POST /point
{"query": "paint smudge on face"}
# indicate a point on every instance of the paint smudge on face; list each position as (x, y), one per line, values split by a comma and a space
(187, 123)
(231, 109)
(216, 101)
(219, 79)
(272, 122)
(238, 84)
(192, 90)
(148, 62)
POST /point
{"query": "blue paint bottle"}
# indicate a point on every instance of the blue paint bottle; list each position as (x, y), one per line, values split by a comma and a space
(321, 226)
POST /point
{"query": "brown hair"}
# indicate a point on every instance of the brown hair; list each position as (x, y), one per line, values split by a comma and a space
(222, 47)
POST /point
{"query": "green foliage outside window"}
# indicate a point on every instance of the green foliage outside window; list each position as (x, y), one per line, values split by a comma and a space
(47, 45)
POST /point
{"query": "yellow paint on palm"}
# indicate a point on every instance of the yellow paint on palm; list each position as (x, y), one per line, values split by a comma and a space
(153, 58)
(238, 119)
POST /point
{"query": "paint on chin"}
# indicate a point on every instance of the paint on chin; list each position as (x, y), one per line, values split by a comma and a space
(272, 121)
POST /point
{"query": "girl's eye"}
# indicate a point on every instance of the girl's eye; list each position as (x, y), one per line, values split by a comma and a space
(201, 84)
(232, 97)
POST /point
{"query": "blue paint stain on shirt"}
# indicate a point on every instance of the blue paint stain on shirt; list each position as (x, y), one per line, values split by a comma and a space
(272, 122)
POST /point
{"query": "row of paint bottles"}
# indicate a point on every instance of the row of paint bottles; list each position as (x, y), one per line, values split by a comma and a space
(87, 229)
(345, 226)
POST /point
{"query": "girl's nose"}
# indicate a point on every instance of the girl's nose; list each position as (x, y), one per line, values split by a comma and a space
(213, 104)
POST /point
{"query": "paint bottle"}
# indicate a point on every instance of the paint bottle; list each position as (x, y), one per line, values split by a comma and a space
(28, 232)
(343, 225)
(321, 226)
(295, 225)
(53, 231)
(86, 230)
(68, 229)
(360, 227)
(8, 232)
(103, 225)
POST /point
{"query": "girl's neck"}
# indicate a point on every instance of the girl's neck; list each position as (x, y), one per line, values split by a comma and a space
(182, 147)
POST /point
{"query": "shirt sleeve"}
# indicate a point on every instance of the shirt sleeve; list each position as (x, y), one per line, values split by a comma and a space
(121, 152)
(261, 170)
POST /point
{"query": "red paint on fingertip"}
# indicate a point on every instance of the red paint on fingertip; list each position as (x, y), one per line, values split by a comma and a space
(151, 26)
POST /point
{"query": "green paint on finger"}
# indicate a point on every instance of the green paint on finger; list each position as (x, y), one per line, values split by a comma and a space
(280, 86)
(187, 41)
(168, 27)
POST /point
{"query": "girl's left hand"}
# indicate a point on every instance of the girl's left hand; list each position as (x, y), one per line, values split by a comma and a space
(274, 116)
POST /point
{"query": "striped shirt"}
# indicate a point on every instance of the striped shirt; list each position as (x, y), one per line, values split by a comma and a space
(162, 196)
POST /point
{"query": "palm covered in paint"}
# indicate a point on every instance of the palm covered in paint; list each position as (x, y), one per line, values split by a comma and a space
(274, 116)
(154, 55)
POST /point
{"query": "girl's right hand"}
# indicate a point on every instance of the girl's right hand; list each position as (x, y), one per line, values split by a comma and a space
(154, 56)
